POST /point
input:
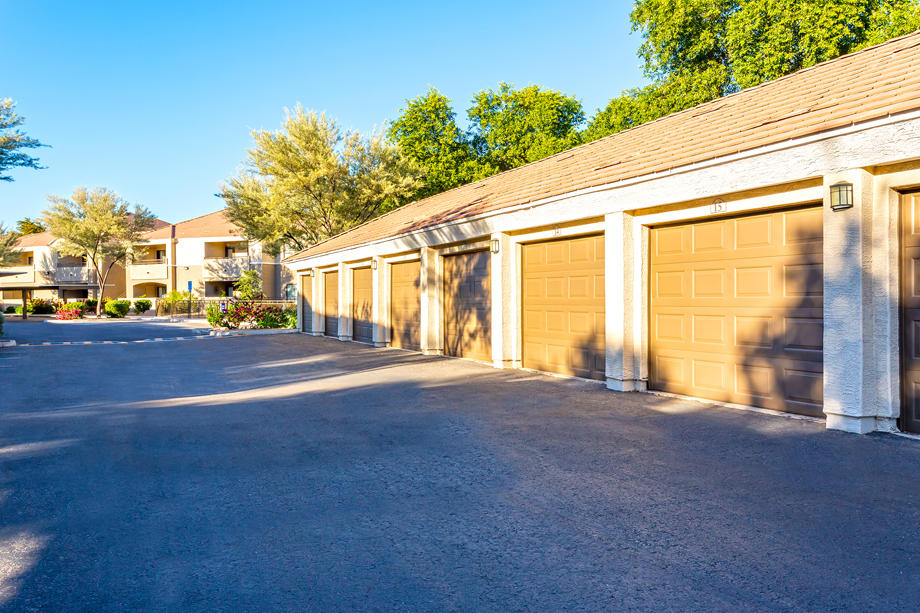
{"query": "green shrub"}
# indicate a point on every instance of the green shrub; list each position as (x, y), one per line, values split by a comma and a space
(41, 306)
(289, 318)
(117, 308)
(249, 287)
(216, 317)
(10, 309)
(142, 306)
(90, 304)
(18, 309)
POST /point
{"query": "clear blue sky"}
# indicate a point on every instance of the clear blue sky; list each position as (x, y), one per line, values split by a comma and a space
(156, 99)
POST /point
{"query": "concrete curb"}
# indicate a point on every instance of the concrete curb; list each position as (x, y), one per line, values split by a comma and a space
(122, 320)
(252, 332)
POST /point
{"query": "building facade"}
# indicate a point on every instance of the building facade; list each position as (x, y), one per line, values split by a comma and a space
(207, 254)
(761, 249)
(42, 272)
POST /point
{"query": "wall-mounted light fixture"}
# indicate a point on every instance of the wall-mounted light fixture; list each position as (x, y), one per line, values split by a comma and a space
(494, 245)
(841, 196)
(373, 264)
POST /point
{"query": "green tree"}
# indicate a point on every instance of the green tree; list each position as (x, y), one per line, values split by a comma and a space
(14, 142)
(698, 50)
(309, 181)
(426, 132)
(98, 225)
(512, 127)
(249, 287)
(8, 253)
(29, 226)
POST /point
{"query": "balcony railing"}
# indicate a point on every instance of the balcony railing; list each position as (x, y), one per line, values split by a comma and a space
(22, 274)
(74, 274)
(225, 268)
(148, 269)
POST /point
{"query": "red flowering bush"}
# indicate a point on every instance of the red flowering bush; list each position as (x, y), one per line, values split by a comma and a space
(240, 313)
(71, 310)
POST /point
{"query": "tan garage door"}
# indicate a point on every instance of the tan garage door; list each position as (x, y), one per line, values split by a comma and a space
(331, 303)
(737, 310)
(405, 305)
(362, 305)
(468, 305)
(563, 306)
(306, 303)
(910, 313)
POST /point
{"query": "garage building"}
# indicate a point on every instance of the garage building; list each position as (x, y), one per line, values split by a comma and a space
(761, 249)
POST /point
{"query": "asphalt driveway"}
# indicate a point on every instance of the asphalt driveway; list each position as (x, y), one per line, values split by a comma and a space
(35, 331)
(296, 473)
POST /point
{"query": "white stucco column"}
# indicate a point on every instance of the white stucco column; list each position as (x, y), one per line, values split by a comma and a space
(430, 316)
(345, 293)
(847, 306)
(622, 293)
(381, 302)
(319, 303)
(503, 285)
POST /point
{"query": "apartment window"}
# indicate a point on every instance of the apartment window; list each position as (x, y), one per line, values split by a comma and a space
(30, 260)
(290, 291)
(161, 254)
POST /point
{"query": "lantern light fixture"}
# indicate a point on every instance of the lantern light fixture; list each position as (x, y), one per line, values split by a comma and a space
(495, 245)
(841, 196)
(373, 264)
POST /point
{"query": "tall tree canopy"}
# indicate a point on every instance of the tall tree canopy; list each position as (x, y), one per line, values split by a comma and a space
(513, 127)
(14, 142)
(698, 50)
(8, 253)
(310, 180)
(508, 127)
(98, 225)
(27, 225)
(427, 132)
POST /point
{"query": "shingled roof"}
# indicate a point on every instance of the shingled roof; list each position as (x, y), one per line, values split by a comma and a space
(869, 84)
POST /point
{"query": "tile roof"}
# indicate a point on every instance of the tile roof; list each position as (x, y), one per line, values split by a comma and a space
(43, 239)
(212, 224)
(869, 84)
(38, 239)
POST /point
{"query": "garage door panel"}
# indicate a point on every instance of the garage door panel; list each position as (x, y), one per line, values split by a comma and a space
(711, 329)
(363, 304)
(572, 306)
(331, 303)
(708, 237)
(748, 327)
(306, 301)
(405, 305)
(804, 227)
(468, 305)
(710, 375)
(754, 232)
(910, 313)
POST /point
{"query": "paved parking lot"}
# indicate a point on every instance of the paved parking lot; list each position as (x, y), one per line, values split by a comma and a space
(296, 473)
(36, 330)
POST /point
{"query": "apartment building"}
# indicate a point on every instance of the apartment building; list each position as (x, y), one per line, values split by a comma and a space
(206, 254)
(42, 272)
